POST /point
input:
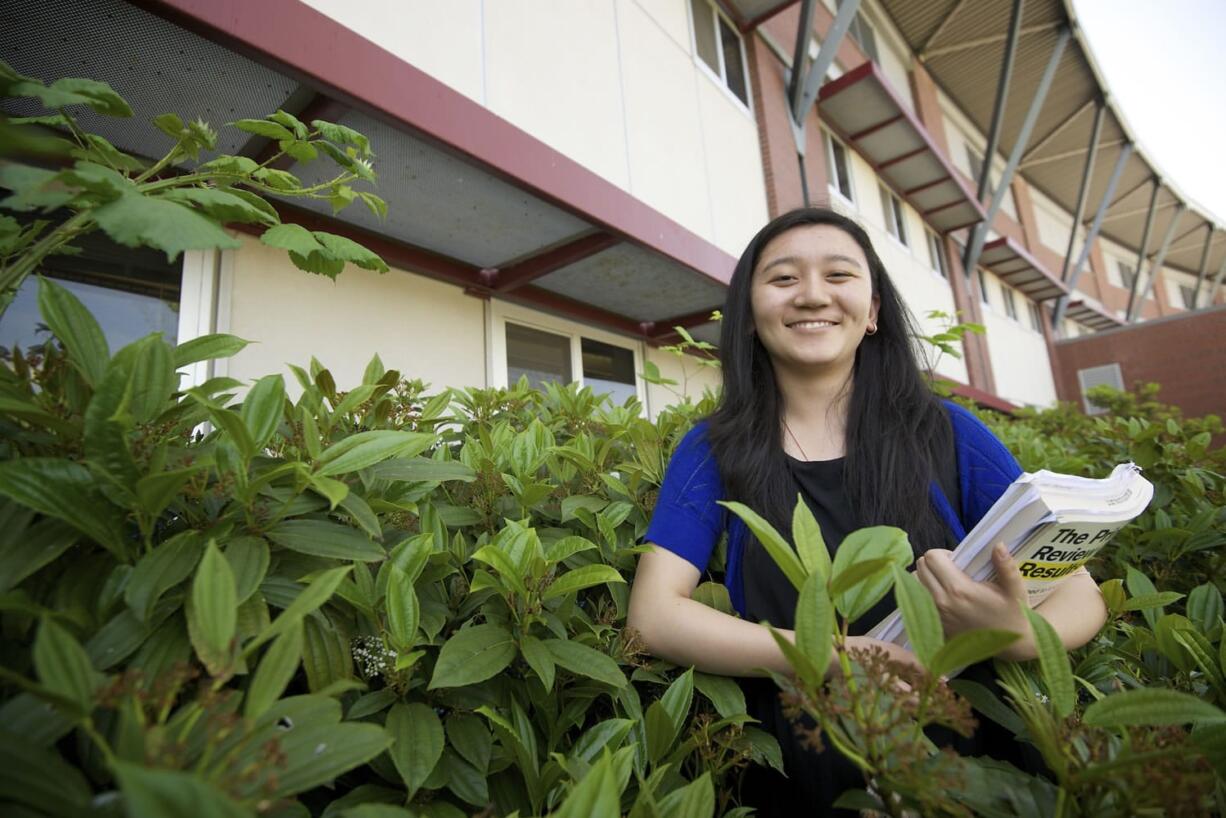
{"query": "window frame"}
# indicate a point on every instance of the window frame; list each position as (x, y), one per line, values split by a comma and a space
(830, 141)
(1036, 316)
(936, 252)
(983, 287)
(720, 78)
(895, 219)
(1010, 302)
(1127, 274)
(502, 313)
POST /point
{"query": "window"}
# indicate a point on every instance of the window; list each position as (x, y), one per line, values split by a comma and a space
(1108, 375)
(840, 173)
(983, 288)
(1189, 296)
(891, 209)
(131, 292)
(545, 349)
(719, 46)
(1127, 274)
(936, 254)
(1036, 316)
(1006, 295)
(863, 34)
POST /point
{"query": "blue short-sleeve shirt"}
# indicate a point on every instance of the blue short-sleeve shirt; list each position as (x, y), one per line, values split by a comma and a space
(689, 521)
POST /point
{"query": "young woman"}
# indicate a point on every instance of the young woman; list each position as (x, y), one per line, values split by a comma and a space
(823, 396)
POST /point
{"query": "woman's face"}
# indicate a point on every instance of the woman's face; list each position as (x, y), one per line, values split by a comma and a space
(812, 298)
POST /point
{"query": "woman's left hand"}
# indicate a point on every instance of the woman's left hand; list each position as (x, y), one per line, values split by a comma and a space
(965, 604)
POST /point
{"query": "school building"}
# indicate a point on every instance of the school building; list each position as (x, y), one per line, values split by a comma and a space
(569, 180)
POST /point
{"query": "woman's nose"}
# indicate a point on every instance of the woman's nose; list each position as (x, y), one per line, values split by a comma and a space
(810, 293)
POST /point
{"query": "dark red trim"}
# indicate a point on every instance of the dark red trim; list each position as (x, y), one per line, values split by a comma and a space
(984, 399)
(925, 186)
(902, 158)
(292, 37)
(520, 273)
(693, 319)
(544, 299)
(871, 129)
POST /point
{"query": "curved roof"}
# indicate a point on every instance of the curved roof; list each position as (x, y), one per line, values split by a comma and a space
(961, 44)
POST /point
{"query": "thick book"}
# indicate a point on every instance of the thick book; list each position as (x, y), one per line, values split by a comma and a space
(1052, 524)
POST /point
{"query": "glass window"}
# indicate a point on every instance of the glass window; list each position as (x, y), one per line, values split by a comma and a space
(1189, 296)
(891, 209)
(1036, 316)
(719, 46)
(862, 33)
(1127, 274)
(541, 356)
(836, 160)
(936, 255)
(1010, 304)
(983, 288)
(608, 369)
(131, 293)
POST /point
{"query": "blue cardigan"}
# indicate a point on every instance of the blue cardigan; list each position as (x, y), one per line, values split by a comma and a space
(688, 520)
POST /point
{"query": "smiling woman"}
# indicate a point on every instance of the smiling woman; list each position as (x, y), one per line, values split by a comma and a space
(823, 399)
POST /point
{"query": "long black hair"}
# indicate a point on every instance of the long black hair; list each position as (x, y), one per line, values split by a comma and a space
(895, 424)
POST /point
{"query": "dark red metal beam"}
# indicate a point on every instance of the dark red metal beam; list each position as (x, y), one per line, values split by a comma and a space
(902, 157)
(925, 186)
(514, 276)
(872, 129)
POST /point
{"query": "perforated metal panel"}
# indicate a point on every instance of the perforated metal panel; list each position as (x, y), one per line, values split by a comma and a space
(444, 204)
(633, 282)
(155, 65)
(707, 332)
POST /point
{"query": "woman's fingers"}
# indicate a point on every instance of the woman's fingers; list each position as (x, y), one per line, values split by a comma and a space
(1008, 578)
(924, 574)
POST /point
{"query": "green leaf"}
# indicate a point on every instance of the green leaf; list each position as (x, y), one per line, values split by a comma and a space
(1151, 707)
(723, 692)
(262, 409)
(159, 793)
(919, 615)
(810, 544)
(856, 593)
(304, 249)
(584, 577)
(473, 655)
(1145, 602)
(75, 328)
(160, 570)
(263, 127)
(403, 610)
(64, 490)
(214, 602)
(421, 469)
(72, 91)
(157, 491)
(321, 538)
(27, 550)
(169, 124)
(221, 205)
(471, 739)
(63, 666)
(418, 737)
(585, 661)
(775, 545)
(277, 667)
(815, 621)
(342, 135)
(539, 659)
(1053, 661)
(677, 699)
(39, 778)
(694, 800)
(134, 220)
(248, 558)
(368, 448)
(317, 593)
(1140, 585)
(498, 559)
(969, 647)
(317, 746)
(1205, 606)
(350, 251)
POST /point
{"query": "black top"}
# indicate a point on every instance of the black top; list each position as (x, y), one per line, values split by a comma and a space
(815, 780)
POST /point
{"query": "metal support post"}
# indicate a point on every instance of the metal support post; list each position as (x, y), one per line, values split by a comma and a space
(1082, 194)
(1155, 266)
(1002, 95)
(796, 82)
(1103, 206)
(1217, 283)
(1149, 226)
(1203, 267)
(1015, 156)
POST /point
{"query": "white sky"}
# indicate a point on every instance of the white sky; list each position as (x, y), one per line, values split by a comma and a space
(1165, 65)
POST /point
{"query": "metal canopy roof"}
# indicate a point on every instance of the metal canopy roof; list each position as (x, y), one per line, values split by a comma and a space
(1091, 315)
(1014, 265)
(861, 107)
(962, 44)
(482, 205)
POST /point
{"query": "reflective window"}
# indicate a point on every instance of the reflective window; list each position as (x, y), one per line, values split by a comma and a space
(608, 369)
(538, 355)
(719, 46)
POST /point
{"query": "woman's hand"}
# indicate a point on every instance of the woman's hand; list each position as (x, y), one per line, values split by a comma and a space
(965, 604)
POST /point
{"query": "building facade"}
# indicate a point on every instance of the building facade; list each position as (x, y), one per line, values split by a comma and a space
(570, 181)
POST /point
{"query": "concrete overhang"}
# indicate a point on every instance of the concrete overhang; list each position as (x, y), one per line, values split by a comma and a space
(1013, 264)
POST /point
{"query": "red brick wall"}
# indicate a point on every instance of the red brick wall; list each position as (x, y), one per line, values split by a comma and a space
(1185, 354)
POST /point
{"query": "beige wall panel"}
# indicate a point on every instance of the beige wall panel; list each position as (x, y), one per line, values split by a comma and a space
(552, 69)
(733, 167)
(671, 16)
(421, 327)
(442, 39)
(691, 377)
(664, 122)
(1018, 355)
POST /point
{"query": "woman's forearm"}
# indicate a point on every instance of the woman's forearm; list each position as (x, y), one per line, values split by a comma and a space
(1075, 610)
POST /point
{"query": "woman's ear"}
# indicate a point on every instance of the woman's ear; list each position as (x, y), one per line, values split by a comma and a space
(872, 310)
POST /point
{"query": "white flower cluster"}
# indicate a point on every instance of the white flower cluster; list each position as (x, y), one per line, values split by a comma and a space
(373, 658)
